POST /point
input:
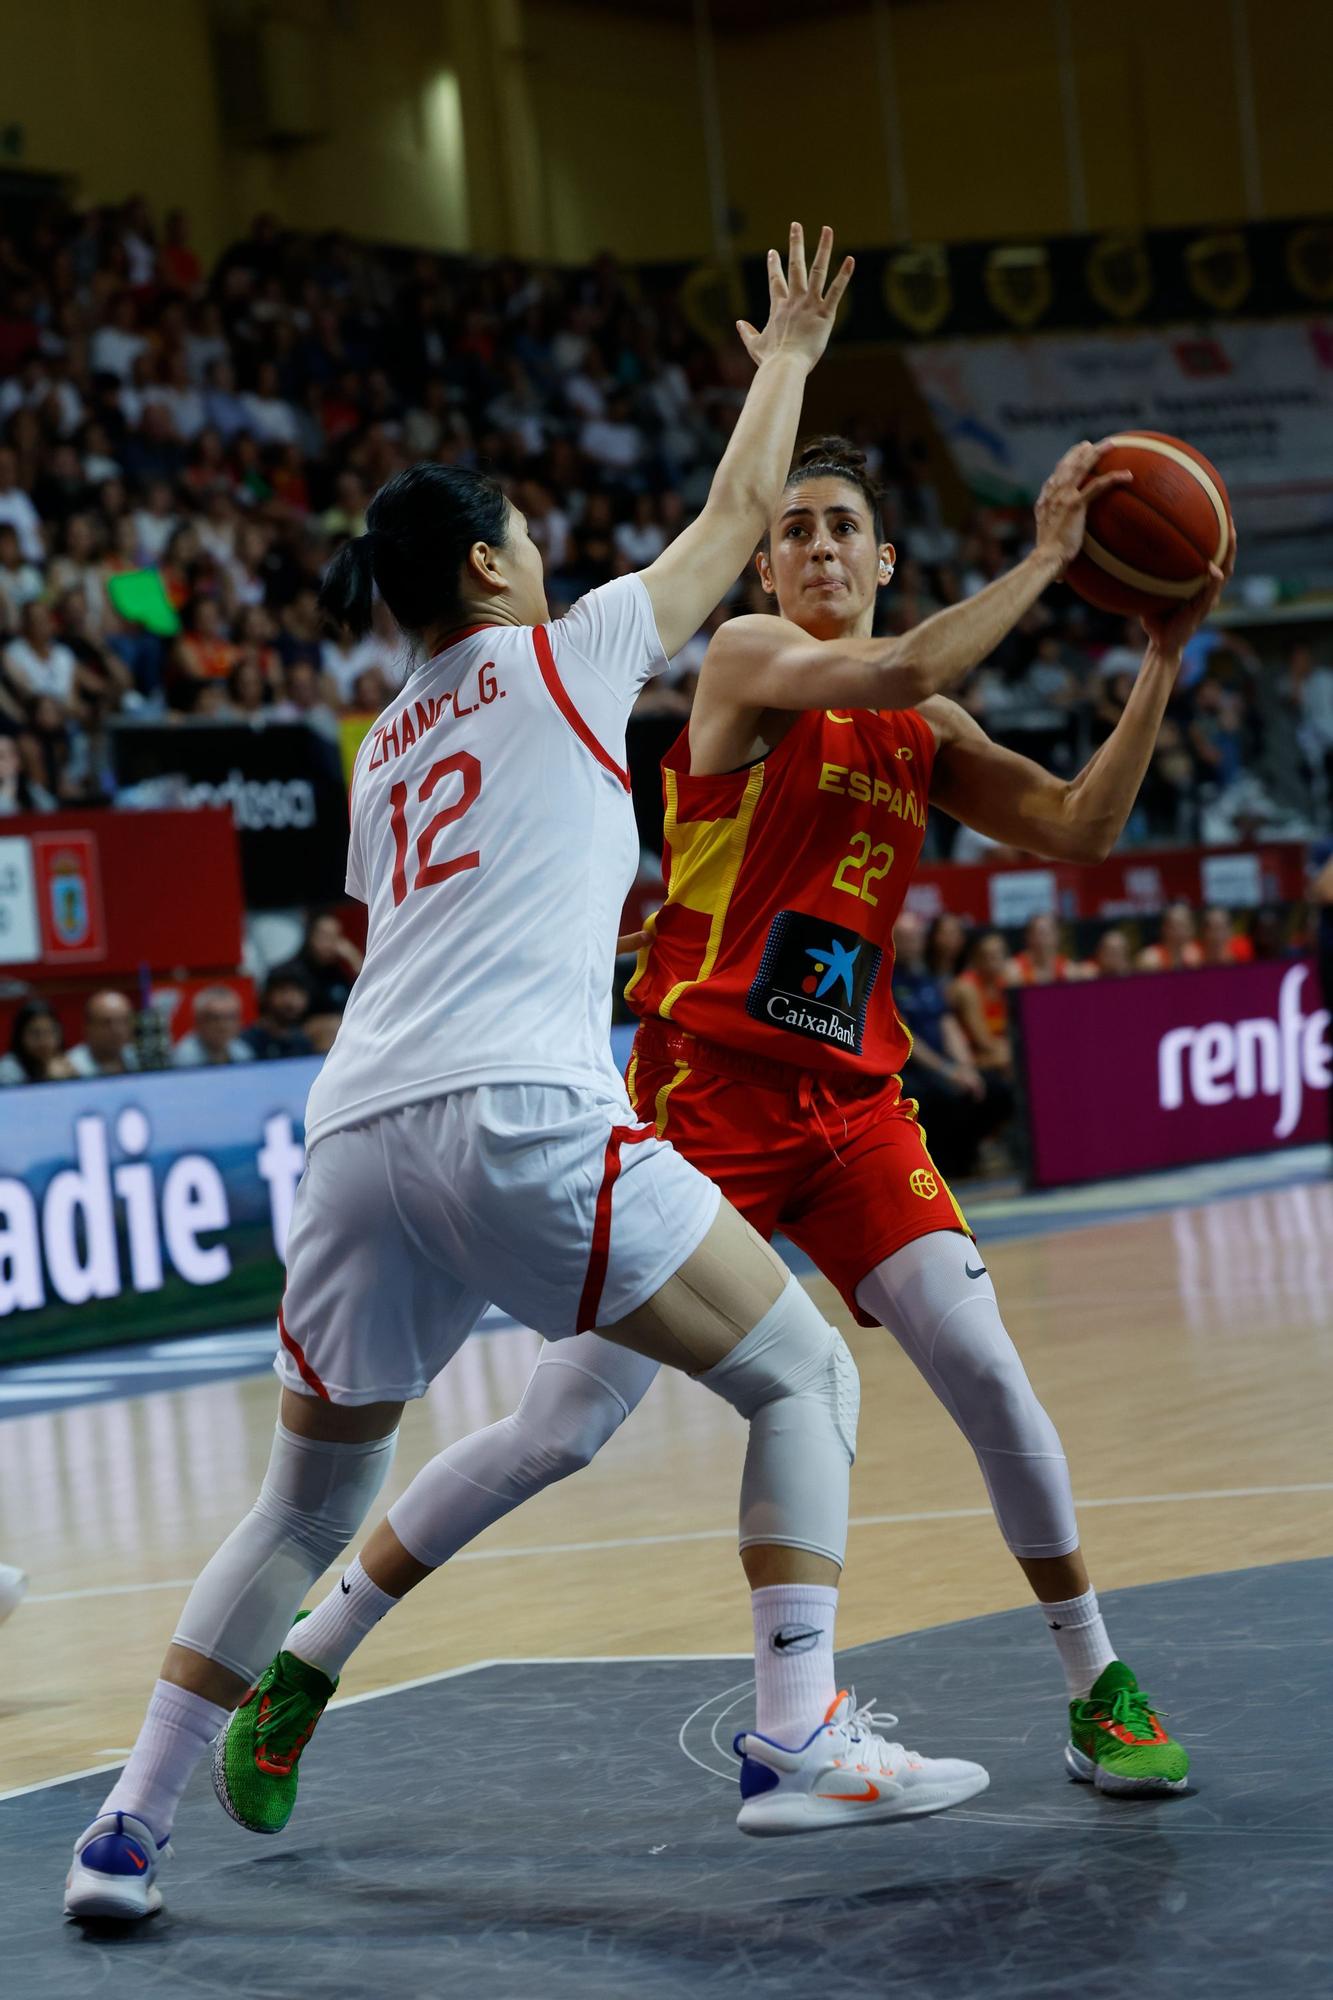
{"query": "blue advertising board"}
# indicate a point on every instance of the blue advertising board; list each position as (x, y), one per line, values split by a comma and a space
(136, 1207)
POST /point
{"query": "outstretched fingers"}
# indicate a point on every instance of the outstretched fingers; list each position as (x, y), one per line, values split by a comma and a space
(833, 297)
(796, 274)
(820, 264)
(777, 284)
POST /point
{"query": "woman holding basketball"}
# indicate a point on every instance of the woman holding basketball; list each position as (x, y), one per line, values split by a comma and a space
(769, 1048)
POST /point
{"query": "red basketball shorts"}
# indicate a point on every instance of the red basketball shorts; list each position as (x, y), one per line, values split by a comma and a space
(839, 1167)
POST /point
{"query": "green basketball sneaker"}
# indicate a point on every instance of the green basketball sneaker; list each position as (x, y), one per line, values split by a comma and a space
(256, 1755)
(1116, 1741)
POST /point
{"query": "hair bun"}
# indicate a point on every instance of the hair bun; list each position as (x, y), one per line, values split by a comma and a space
(831, 450)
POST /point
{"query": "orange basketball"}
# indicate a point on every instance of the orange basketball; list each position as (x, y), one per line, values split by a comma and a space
(1148, 545)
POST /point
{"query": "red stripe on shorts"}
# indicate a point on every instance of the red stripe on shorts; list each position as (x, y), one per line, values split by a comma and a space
(590, 1302)
(559, 693)
(303, 1368)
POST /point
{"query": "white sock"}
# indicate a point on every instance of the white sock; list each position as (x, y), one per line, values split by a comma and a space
(331, 1634)
(177, 1729)
(1080, 1640)
(793, 1659)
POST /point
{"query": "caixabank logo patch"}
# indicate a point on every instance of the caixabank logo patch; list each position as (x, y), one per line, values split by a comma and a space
(815, 979)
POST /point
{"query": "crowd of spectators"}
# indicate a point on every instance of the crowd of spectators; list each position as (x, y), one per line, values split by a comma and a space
(951, 987)
(181, 450)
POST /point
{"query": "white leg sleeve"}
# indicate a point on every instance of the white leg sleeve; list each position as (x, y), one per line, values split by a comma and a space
(794, 1378)
(577, 1397)
(314, 1497)
(949, 1325)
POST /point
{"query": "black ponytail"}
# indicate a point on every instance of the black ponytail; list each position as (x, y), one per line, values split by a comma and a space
(347, 592)
(839, 458)
(419, 529)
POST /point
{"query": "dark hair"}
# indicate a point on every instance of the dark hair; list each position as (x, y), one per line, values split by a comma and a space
(291, 973)
(419, 528)
(838, 458)
(30, 1011)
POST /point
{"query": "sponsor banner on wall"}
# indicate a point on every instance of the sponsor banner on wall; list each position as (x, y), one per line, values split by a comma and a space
(1257, 399)
(282, 783)
(145, 1207)
(132, 1208)
(1170, 1068)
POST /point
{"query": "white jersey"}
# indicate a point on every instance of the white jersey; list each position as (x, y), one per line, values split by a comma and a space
(493, 839)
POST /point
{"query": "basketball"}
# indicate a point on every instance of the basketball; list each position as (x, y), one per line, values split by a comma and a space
(1148, 545)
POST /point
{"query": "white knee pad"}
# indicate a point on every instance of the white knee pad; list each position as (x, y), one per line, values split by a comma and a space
(795, 1380)
(314, 1497)
(949, 1325)
(577, 1397)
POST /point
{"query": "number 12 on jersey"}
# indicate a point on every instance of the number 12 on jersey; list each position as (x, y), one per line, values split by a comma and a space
(428, 872)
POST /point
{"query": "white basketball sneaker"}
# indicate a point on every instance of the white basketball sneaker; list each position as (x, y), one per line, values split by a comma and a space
(845, 1774)
(13, 1583)
(114, 1871)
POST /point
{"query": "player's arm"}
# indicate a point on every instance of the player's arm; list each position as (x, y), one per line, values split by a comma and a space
(1017, 802)
(695, 572)
(759, 663)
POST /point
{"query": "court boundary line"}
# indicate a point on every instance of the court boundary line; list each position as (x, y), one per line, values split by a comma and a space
(405, 1687)
(526, 1552)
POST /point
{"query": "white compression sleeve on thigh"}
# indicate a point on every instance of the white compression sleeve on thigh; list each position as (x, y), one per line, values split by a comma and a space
(314, 1497)
(949, 1324)
(793, 1377)
(577, 1397)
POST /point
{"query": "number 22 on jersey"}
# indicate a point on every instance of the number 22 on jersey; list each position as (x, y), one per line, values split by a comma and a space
(462, 765)
(858, 861)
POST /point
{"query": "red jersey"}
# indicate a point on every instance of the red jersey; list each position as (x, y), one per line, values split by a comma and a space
(784, 881)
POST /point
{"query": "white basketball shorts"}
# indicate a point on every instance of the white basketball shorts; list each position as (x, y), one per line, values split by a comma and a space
(554, 1203)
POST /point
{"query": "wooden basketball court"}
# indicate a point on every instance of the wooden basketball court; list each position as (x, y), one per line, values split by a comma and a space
(1186, 1356)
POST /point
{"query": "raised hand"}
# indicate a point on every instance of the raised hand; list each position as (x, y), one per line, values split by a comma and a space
(1170, 631)
(800, 311)
(1062, 504)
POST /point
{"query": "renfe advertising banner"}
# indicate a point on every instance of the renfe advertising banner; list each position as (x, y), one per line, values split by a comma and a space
(1255, 398)
(145, 1207)
(1124, 1075)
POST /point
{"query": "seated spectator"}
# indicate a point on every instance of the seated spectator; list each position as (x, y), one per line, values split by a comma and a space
(154, 524)
(1268, 935)
(371, 692)
(960, 1104)
(216, 1037)
(344, 659)
(103, 679)
(36, 1047)
(247, 689)
(178, 265)
(37, 664)
(303, 698)
(1112, 958)
(1041, 961)
(18, 792)
(978, 999)
(946, 945)
(642, 538)
(330, 962)
(17, 509)
(117, 343)
(21, 581)
(77, 568)
(204, 652)
(1219, 943)
(1176, 946)
(107, 1048)
(283, 1007)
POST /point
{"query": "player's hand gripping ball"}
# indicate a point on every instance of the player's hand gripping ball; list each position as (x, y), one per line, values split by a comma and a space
(1149, 542)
